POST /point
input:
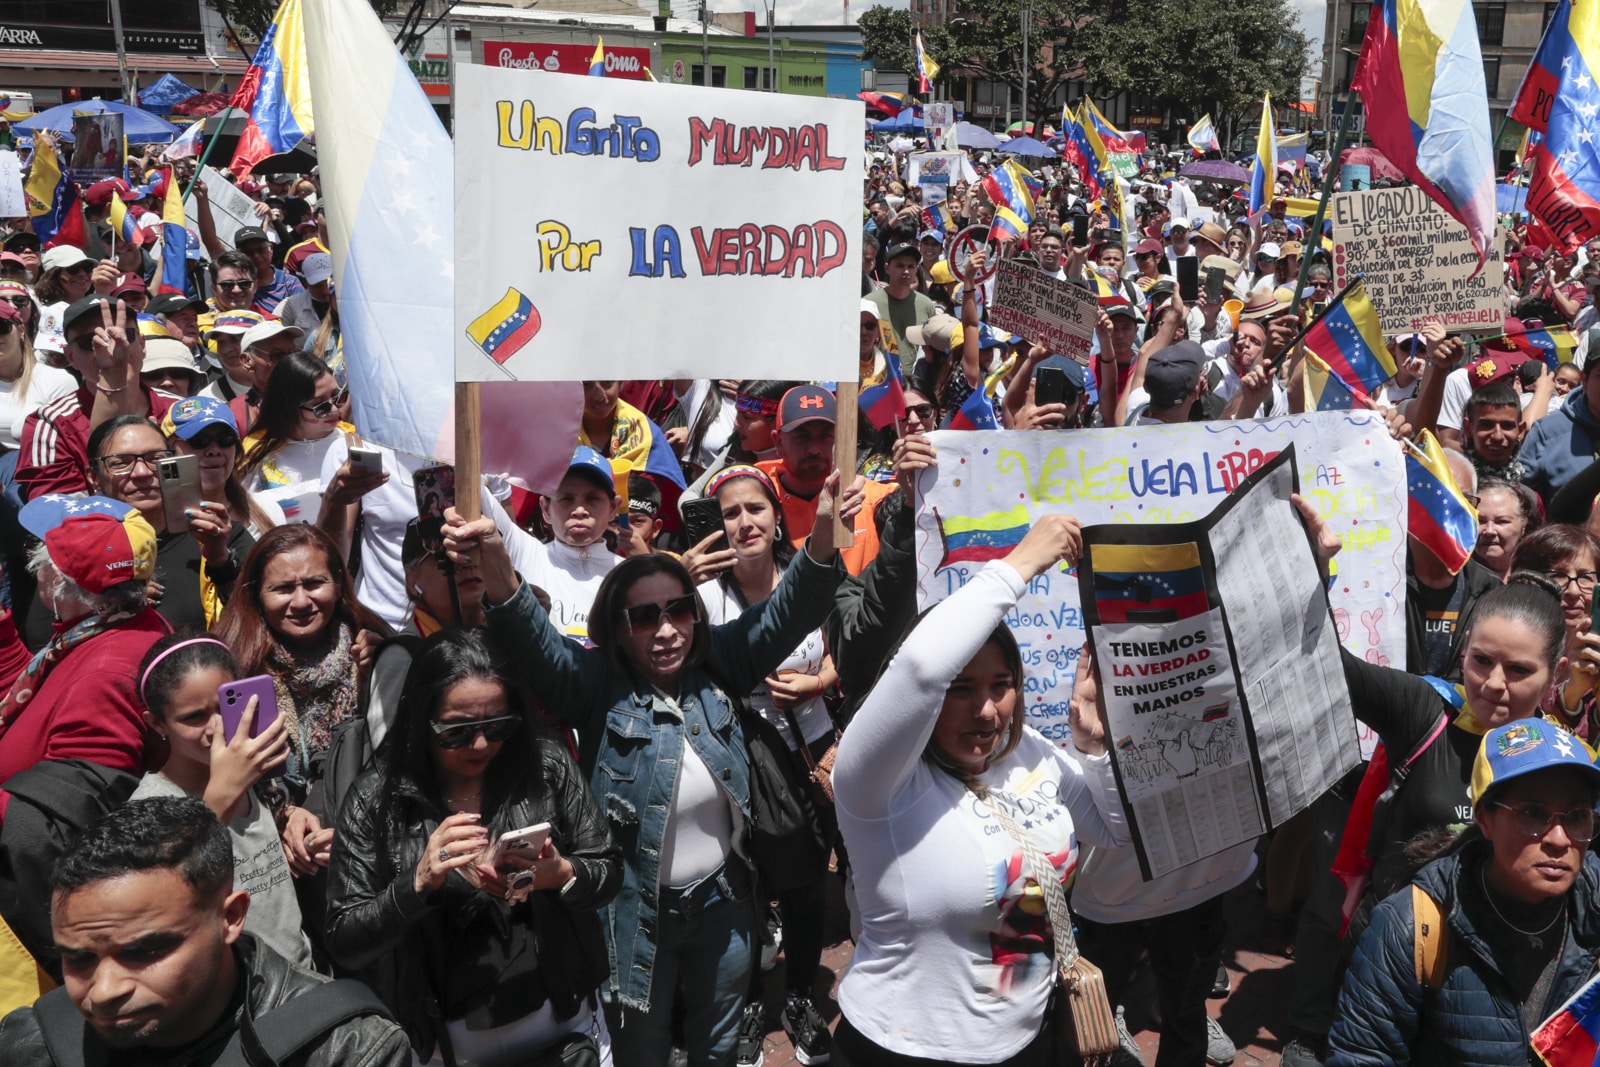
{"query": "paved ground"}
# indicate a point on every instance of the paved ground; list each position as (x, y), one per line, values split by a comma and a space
(1252, 1015)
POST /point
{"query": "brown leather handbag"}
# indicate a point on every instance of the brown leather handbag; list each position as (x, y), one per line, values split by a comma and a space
(1085, 1024)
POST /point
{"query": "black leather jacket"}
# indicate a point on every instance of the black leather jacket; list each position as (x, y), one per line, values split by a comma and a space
(366, 1041)
(381, 930)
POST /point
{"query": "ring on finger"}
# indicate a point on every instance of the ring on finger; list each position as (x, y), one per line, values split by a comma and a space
(444, 854)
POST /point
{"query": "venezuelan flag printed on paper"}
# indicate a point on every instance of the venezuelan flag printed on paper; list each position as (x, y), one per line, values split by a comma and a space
(1324, 389)
(1264, 167)
(53, 201)
(1203, 136)
(1078, 151)
(1421, 78)
(1438, 515)
(597, 62)
(1148, 583)
(978, 540)
(1571, 1037)
(927, 69)
(976, 414)
(1558, 103)
(885, 402)
(276, 91)
(502, 330)
(1349, 339)
(172, 270)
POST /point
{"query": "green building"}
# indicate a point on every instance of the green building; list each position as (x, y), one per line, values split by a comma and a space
(805, 67)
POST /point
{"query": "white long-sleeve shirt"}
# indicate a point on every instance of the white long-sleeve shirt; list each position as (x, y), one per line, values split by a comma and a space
(953, 959)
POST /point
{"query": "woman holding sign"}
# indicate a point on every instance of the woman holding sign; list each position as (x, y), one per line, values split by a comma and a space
(947, 800)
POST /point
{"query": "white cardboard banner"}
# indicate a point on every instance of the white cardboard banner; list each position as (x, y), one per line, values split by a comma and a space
(618, 229)
(13, 204)
(989, 486)
(231, 207)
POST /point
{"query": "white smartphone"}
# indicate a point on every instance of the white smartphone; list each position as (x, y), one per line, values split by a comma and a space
(528, 841)
(370, 458)
(180, 489)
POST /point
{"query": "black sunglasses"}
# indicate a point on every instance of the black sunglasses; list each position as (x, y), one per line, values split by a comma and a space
(220, 438)
(921, 411)
(5, 327)
(236, 287)
(462, 734)
(325, 408)
(678, 610)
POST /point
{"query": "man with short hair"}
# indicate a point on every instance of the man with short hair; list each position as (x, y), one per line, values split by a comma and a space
(273, 284)
(159, 969)
(1173, 379)
(1564, 443)
(233, 284)
(1052, 242)
(900, 305)
(1494, 431)
(1178, 246)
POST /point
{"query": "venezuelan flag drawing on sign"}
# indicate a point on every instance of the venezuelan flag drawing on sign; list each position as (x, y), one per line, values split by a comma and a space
(1349, 339)
(502, 330)
(1421, 78)
(276, 91)
(1148, 583)
(1437, 514)
(985, 537)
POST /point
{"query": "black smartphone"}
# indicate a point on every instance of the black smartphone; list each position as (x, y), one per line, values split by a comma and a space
(1214, 279)
(1189, 279)
(702, 517)
(1080, 230)
(1049, 386)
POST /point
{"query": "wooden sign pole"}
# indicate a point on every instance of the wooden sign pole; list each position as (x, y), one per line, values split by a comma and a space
(469, 501)
(844, 453)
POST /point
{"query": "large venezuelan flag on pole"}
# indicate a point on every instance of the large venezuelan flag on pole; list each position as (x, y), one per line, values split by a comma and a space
(1203, 136)
(1264, 167)
(927, 69)
(1078, 151)
(1421, 78)
(276, 91)
(1559, 100)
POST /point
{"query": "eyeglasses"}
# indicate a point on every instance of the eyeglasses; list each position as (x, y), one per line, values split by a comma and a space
(79, 268)
(5, 326)
(1585, 580)
(921, 411)
(1533, 821)
(123, 462)
(236, 287)
(680, 611)
(214, 439)
(21, 303)
(325, 408)
(462, 734)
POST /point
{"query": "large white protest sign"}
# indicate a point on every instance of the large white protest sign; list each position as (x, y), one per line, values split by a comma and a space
(616, 229)
(989, 486)
(231, 208)
(12, 201)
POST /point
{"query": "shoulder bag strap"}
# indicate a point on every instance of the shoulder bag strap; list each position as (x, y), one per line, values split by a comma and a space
(1044, 875)
(66, 1033)
(288, 1028)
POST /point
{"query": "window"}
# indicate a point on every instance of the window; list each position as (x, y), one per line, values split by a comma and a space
(1491, 75)
(1358, 26)
(719, 76)
(751, 77)
(1491, 23)
(1549, 13)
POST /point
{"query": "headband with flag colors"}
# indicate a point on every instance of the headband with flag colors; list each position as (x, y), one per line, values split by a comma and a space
(172, 270)
(1264, 167)
(1421, 77)
(1077, 150)
(597, 62)
(276, 91)
(1203, 136)
(1349, 338)
(927, 69)
(53, 200)
(1438, 515)
(1558, 102)
(884, 403)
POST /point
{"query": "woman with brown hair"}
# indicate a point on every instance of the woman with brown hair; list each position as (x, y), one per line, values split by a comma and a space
(1570, 557)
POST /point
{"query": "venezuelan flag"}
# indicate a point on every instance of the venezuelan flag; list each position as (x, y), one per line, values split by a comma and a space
(1558, 103)
(1571, 1037)
(1008, 224)
(1324, 391)
(1555, 345)
(885, 403)
(1077, 150)
(1203, 136)
(927, 69)
(1439, 516)
(890, 104)
(276, 91)
(53, 201)
(1292, 149)
(986, 537)
(1148, 583)
(1264, 168)
(1010, 186)
(172, 270)
(597, 62)
(976, 414)
(123, 223)
(1349, 339)
(1111, 146)
(502, 330)
(1023, 175)
(1421, 76)
(939, 217)
(152, 326)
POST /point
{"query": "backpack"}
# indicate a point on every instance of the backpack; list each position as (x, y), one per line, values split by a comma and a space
(349, 752)
(52, 803)
(1430, 940)
(269, 1041)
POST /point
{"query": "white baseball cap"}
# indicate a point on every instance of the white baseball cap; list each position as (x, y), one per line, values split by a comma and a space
(266, 331)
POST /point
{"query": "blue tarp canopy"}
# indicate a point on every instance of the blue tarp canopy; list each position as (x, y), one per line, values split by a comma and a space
(139, 125)
(167, 91)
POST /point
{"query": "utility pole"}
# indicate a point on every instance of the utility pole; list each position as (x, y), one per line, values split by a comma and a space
(772, 66)
(122, 53)
(1027, 17)
(705, 44)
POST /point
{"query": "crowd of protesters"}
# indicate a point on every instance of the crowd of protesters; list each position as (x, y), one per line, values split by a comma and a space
(263, 724)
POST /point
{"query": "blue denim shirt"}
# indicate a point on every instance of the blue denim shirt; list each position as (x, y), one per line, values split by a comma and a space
(630, 742)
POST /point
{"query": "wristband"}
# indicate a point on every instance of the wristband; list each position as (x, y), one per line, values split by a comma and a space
(570, 883)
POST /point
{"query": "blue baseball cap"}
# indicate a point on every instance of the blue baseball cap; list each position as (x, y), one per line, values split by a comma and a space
(593, 465)
(1525, 747)
(192, 414)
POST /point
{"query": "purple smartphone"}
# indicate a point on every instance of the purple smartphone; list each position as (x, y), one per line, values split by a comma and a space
(234, 696)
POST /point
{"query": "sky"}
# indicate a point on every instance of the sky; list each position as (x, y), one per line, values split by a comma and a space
(812, 12)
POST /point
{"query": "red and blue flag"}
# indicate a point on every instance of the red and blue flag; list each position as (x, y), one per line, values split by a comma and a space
(885, 403)
(275, 91)
(1438, 515)
(976, 414)
(1571, 1037)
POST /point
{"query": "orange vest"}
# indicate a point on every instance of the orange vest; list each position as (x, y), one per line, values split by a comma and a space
(800, 514)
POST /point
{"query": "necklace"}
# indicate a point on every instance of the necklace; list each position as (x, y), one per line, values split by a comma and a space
(1535, 937)
(458, 801)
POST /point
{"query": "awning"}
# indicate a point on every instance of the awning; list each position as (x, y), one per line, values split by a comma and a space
(41, 59)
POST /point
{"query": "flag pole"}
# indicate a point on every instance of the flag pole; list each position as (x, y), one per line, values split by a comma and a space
(846, 404)
(205, 153)
(1328, 181)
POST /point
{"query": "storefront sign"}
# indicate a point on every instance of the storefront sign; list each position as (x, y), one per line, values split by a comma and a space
(98, 39)
(566, 58)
